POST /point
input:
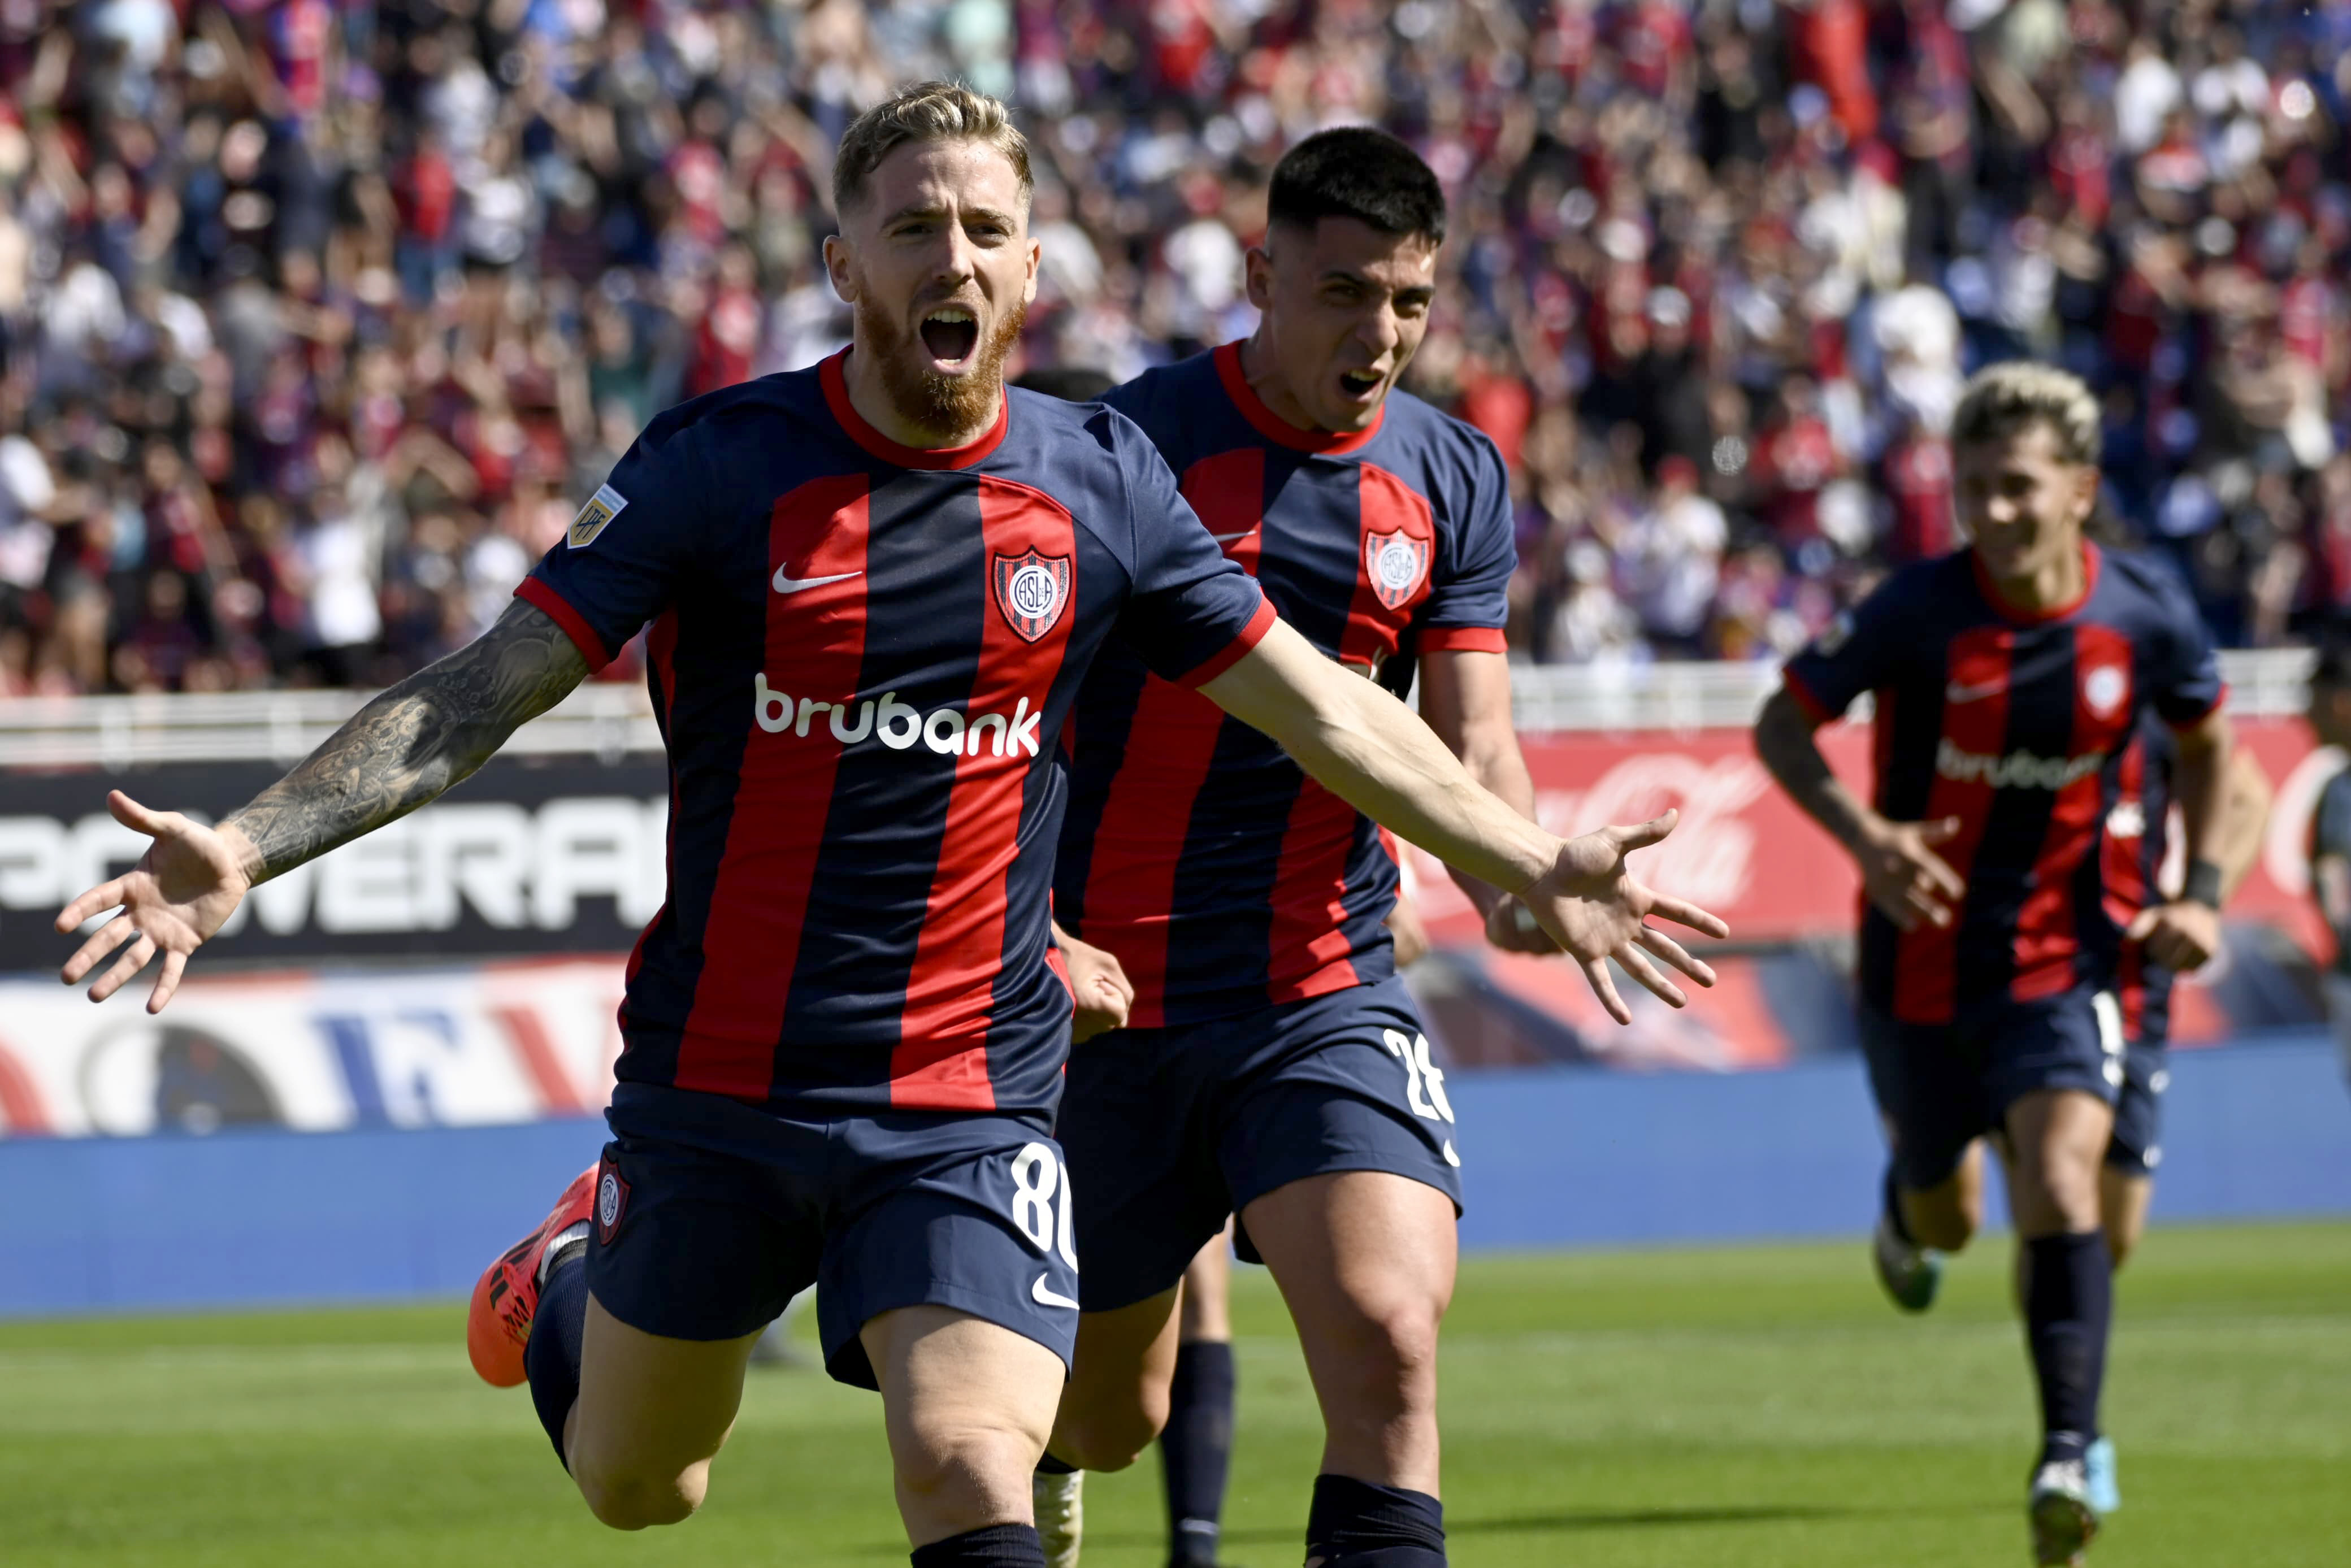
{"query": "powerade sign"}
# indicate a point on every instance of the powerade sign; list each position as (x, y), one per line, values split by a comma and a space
(524, 857)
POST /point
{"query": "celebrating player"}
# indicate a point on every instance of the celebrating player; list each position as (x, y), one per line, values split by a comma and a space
(874, 587)
(1273, 1063)
(2009, 679)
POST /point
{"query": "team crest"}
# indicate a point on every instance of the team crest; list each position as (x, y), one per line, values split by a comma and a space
(1031, 590)
(612, 1202)
(601, 508)
(2104, 689)
(1397, 564)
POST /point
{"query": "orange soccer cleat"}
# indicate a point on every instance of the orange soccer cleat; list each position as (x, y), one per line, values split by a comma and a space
(505, 1298)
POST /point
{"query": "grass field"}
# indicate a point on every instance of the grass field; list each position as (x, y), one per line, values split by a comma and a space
(1746, 1407)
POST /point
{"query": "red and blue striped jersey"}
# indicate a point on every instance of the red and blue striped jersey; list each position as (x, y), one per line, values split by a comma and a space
(2137, 843)
(1222, 877)
(861, 656)
(2017, 725)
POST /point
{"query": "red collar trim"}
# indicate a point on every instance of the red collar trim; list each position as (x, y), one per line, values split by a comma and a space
(2007, 612)
(832, 372)
(1275, 428)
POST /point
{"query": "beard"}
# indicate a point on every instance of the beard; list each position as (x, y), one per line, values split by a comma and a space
(940, 405)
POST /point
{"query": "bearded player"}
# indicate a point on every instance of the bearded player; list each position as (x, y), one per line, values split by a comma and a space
(1273, 1064)
(2010, 679)
(874, 589)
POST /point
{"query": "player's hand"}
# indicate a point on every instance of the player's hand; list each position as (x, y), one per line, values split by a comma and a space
(1405, 931)
(2181, 936)
(1512, 926)
(1590, 905)
(179, 894)
(1099, 987)
(1904, 876)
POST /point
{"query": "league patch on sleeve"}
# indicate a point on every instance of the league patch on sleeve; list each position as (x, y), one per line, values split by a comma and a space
(602, 507)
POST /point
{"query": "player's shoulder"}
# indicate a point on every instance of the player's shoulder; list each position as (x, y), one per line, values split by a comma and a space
(1413, 422)
(1937, 585)
(2139, 582)
(786, 394)
(1171, 402)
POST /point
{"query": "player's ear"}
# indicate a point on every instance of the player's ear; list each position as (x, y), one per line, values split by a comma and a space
(1029, 289)
(1257, 277)
(838, 255)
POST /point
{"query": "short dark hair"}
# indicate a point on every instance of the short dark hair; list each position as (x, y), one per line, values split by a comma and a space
(1071, 383)
(1355, 172)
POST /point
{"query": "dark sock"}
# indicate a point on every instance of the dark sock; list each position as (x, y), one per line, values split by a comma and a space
(1050, 1466)
(1355, 1524)
(1894, 1217)
(1196, 1449)
(998, 1546)
(551, 1355)
(2068, 1304)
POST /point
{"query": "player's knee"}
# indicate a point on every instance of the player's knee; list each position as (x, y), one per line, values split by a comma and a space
(1397, 1349)
(1112, 1433)
(950, 1469)
(638, 1501)
(1946, 1219)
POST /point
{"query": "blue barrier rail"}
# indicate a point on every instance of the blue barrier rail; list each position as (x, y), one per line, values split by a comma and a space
(1555, 1158)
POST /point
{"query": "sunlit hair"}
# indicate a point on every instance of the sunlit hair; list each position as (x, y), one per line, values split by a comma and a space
(926, 112)
(2004, 400)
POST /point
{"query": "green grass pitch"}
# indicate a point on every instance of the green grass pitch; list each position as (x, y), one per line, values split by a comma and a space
(1748, 1406)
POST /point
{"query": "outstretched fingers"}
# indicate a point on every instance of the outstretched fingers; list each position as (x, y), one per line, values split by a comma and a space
(1642, 835)
(1595, 975)
(1682, 912)
(105, 896)
(1674, 953)
(135, 958)
(175, 963)
(1637, 965)
(101, 942)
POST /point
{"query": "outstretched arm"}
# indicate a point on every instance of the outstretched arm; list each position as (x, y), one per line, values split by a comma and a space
(1465, 698)
(1370, 750)
(400, 751)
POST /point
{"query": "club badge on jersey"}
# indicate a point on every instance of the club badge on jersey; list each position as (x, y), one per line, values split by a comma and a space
(1397, 564)
(1031, 590)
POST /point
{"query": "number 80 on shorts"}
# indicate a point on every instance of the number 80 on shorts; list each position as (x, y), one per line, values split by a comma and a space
(1038, 1178)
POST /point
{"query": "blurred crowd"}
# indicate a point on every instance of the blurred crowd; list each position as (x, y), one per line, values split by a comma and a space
(318, 318)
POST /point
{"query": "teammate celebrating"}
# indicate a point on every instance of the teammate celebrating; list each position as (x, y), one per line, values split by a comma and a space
(1273, 1063)
(874, 587)
(2010, 680)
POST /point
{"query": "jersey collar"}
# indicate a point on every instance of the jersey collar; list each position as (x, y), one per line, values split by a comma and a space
(1275, 428)
(833, 373)
(2007, 612)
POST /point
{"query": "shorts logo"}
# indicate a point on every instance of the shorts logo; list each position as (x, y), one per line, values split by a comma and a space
(611, 1203)
(1031, 590)
(602, 506)
(1396, 563)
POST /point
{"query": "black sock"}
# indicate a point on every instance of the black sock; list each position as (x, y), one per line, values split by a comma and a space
(1196, 1449)
(551, 1355)
(2068, 1304)
(998, 1546)
(1355, 1524)
(1050, 1466)
(1894, 1218)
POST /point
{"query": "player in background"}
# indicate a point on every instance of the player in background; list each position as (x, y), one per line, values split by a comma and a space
(1273, 1064)
(2010, 680)
(874, 589)
(2330, 830)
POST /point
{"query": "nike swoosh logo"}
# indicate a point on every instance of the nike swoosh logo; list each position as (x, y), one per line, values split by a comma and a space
(1956, 693)
(1046, 1296)
(783, 584)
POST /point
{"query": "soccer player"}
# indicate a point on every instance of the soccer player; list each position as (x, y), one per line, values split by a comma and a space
(1273, 1064)
(2009, 679)
(2330, 830)
(874, 589)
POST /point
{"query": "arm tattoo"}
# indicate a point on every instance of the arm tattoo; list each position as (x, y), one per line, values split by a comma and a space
(415, 741)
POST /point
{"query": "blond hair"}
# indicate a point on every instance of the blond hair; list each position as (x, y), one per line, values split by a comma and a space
(2004, 400)
(926, 112)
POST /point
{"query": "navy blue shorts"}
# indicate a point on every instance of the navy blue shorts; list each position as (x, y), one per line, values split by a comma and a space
(1171, 1130)
(2136, 1148)
(712, 1214)
(1942, 1086)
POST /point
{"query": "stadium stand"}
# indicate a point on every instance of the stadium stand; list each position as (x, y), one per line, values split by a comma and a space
(316, 315)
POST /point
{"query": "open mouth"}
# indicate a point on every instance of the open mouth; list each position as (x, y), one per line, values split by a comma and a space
(950, 333)
(1357, 386)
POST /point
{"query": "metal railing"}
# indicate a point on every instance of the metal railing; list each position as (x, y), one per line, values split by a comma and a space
(609, 721)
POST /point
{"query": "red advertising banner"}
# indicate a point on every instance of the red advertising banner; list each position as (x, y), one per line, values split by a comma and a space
(1746, 852)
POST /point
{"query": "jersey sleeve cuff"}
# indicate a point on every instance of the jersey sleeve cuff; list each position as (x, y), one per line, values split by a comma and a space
(1237, 650)
(534, 591)
(2192, 720)
(1463, 640)
(1815, 709)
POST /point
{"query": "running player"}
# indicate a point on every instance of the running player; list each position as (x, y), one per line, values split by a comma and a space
(2010, 680)
(2330, 830)
(874, 587)
(1273, 1063)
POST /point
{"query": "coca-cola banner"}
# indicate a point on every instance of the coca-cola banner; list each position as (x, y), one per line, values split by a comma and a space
(1745, 851)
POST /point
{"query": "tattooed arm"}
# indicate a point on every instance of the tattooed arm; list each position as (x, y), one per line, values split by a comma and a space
(400, 751)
